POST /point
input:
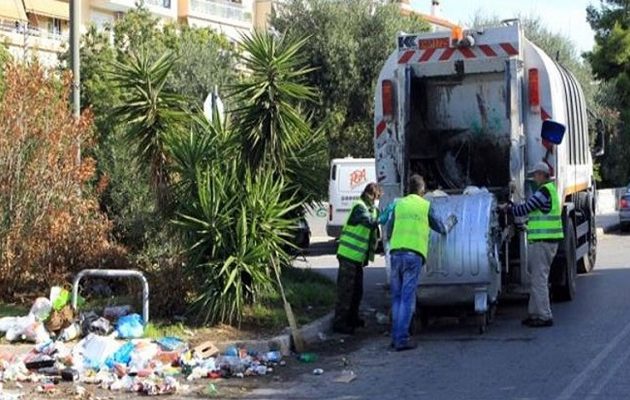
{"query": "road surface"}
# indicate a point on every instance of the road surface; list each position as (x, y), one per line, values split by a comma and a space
(586, 355)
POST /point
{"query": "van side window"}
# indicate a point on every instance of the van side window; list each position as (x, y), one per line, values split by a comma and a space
(333, 173)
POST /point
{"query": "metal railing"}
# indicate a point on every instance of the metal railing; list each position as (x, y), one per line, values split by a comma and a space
(159, 3)
(19, 29)
(220, 9)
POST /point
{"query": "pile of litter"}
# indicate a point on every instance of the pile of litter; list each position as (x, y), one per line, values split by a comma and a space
(134, 364)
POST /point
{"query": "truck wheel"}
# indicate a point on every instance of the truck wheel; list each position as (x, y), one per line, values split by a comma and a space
(587, 263)
(565, 291)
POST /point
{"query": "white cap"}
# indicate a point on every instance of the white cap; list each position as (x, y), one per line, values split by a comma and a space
(540, 166)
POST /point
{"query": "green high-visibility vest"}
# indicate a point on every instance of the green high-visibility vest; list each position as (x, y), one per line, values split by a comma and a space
(357, 242)
(411, 225)
(547, 226)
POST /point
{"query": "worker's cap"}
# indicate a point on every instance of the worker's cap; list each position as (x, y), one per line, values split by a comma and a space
(540, 167)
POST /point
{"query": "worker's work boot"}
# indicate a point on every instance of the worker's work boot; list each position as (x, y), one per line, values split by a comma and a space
(540, 323)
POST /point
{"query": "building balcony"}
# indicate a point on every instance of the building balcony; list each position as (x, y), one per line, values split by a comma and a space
(222, 12)
(17, 35)
(161, 8)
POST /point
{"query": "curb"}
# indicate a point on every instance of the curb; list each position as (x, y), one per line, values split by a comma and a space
(608, 229)
(310, 334)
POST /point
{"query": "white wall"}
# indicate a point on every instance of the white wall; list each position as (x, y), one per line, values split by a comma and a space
(608, 200)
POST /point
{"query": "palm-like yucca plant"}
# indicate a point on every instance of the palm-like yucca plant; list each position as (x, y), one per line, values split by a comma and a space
(237, 224)
(192, 152)
(149, 113)
(268, 116)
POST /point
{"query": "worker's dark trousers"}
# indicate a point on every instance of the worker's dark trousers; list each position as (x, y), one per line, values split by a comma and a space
(349, 294)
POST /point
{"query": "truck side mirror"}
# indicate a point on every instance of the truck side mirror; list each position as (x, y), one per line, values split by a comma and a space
(599, 147)
(552, 131)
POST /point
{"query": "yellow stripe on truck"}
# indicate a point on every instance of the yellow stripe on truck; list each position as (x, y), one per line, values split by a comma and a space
(575, 188)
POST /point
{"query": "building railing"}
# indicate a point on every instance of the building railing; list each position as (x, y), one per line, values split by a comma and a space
(220, 9)
(18, 29)
(159, 3)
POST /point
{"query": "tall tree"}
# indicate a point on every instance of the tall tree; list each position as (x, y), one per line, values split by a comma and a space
(148, 113)
(610, 60)
(348, 43)
(204, 60)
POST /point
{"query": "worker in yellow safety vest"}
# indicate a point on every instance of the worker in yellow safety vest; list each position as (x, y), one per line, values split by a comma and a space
(409, 229)
(357, 246)
(544, 232)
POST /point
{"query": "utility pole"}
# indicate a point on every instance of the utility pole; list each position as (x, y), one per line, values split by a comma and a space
(75, 15)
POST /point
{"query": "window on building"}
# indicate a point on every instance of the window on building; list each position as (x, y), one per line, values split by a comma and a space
(54, 26)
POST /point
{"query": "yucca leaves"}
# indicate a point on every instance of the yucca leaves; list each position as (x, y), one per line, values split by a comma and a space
(235, 188)
(269, 120)
(236, 225)
(148, 114)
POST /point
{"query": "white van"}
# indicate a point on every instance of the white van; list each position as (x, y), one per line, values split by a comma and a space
(348, 177)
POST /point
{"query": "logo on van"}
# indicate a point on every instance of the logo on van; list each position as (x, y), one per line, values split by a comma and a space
(358, 177)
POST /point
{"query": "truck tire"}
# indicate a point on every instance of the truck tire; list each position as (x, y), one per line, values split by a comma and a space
(587, 263)
(565, 261)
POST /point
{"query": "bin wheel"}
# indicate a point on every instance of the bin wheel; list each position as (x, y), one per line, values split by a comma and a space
(492, 313)
(482, 323)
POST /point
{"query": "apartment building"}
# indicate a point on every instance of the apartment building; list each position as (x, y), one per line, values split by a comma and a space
(41, 27)
(35, 28)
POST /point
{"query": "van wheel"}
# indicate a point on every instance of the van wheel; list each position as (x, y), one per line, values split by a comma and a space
(565, 259)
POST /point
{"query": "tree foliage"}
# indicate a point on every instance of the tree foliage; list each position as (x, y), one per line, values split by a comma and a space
(610, 60)
(203, 60)
(50, 224)
(348, 44)
(147, 114)
(236, 184)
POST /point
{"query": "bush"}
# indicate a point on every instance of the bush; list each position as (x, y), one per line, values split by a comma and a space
(50, 222)
(236, 227)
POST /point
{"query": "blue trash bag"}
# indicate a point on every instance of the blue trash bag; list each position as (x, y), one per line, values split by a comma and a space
(121, 356)
(130, 327)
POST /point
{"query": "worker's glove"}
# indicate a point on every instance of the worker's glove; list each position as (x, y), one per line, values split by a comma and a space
(506, 207)
(451, 221)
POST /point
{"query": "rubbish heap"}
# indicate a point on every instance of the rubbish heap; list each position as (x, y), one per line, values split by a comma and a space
(133, 364)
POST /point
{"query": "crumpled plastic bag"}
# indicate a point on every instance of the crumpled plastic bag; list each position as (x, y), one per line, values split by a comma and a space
(41, 308)
(59, 297)
(130, 327)
(94, 350)
(27, 328)
(143, 353)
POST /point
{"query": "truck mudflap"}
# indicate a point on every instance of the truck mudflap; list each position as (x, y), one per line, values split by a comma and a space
(463, 267)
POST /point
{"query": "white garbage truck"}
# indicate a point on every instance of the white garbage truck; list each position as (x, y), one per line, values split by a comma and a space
(465, 109)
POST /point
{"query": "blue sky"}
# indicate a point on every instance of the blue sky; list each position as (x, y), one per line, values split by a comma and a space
(564, 16)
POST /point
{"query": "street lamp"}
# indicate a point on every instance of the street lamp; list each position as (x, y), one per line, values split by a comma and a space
(75, 15)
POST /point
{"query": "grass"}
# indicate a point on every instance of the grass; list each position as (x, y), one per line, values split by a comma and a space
(13, 310)
(158, 330)
(310, 294)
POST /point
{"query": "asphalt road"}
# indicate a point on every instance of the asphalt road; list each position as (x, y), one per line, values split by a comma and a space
(586, 355)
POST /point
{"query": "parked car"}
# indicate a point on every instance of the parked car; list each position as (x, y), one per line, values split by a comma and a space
(302, 236)
(624, 211)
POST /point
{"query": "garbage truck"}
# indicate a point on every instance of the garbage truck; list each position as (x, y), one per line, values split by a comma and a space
(465, 109)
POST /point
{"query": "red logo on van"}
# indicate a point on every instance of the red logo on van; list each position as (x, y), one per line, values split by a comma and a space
(358, 177)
